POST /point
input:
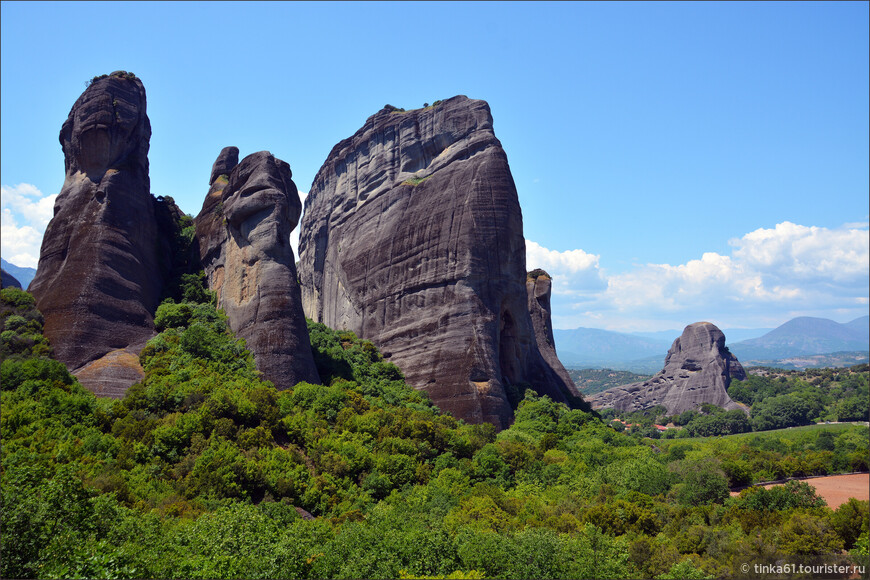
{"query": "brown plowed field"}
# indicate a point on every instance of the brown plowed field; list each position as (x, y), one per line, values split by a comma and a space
(837, 489)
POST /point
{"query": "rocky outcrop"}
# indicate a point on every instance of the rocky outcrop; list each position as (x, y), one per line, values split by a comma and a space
(412, 238)
(104, 257)
(7, 280)
(698, 369)
(243, 232)
(539, 287)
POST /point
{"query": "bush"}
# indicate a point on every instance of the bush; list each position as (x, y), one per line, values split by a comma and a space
(15, 372)
(703, 482)
(17, 298)
(723, 423)
(794, 494)
(172, 315)
(782, 411)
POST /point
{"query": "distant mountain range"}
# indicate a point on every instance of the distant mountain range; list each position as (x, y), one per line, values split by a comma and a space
(731, 334)
(789, 345)
(598, 348)
(805, 336)
(23, 275)
(639, 352)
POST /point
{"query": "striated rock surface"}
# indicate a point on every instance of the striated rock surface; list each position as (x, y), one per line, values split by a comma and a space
(105, 255)
(412, 238)
(698, 369)
(243, 231)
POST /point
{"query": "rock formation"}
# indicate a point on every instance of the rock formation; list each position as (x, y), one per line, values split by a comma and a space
(7, 280)
(413, 239)
(539, 286)
(103, 260)
(698, 369)
(243, 231)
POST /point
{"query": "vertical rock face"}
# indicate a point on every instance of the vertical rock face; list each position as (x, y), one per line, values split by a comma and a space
(698, 369)
(244, 241)
(412, 238)
(103, 261)
(539, 287)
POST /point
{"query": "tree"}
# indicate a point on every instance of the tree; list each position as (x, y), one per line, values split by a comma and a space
(703, 482)
(782, 411)
(851, 520)
(807, 534)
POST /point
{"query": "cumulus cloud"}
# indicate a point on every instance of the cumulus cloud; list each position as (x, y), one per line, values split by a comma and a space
(572, 261)
(25, 213)
(574, 272)
(776, 273)
(792, 252)
(709, 281)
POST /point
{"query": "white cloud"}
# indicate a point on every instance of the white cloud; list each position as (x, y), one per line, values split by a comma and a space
(29, 204)
(574, 272)
(25, 213)
(778, 273)
(794, 252)
(572, 261)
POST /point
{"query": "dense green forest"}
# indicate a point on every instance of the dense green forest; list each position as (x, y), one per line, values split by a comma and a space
(204, 470)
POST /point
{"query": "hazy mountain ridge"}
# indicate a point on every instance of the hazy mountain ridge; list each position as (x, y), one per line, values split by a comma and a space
(805, 335)
(23, 275)
(816, 361)
(601, 348)
(802, 342)
(733, 334)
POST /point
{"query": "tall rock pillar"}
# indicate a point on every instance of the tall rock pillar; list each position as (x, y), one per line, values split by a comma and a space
(243, 231)
(103, 264)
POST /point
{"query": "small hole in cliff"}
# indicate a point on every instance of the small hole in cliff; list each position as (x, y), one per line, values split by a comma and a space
(100, 196)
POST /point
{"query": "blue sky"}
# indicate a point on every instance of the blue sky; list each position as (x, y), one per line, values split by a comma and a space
(675, 162)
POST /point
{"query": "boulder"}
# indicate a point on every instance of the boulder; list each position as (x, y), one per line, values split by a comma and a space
(243, 232)
(698, 369)
(413, 238)
(105, 256)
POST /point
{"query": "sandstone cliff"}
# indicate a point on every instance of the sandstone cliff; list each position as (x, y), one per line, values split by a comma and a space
(243, 232)
(698, 369)
(104, 257)
(412, 238)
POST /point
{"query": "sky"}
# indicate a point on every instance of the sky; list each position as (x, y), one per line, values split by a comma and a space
(675, 162)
